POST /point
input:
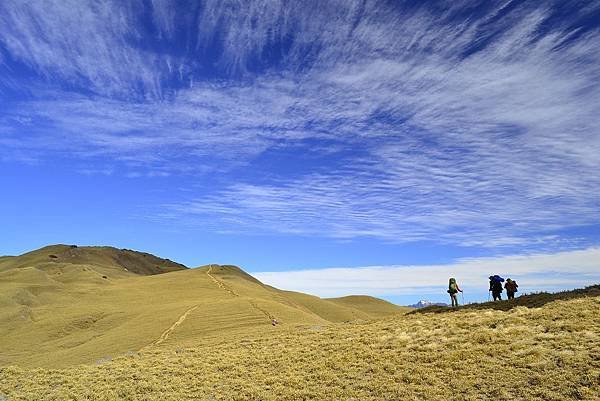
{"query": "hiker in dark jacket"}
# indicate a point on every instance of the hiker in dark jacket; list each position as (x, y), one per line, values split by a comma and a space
(453, 290)
(496, 287)
(511, 287)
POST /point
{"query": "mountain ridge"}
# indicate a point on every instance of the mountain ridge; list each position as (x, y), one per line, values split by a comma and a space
(88, 303)
(133, 261)
(423, 303)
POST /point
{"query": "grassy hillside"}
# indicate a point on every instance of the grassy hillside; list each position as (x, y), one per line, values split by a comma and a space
(546, 353)
(372, 306)
(55, 256)
(87, 304)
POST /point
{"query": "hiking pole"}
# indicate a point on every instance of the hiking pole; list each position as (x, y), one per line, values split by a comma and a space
(462, 295)
(488, 296)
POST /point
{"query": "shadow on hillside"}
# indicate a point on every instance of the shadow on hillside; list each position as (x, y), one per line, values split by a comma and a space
(529, 300)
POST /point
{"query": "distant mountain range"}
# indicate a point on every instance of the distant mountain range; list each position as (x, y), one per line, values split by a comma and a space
(424, 303)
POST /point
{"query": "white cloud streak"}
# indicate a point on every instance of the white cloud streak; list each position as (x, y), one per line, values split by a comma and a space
(80, 42)
(533, 273)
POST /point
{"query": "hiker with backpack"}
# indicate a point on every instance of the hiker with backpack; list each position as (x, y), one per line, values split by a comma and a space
(453, 290)
(511, 287)
(496, 287)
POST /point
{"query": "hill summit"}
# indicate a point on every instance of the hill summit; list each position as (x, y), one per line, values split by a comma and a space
(123, 259)
(64, 304)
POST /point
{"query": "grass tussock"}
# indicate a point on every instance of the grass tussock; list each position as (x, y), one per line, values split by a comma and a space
(548, 353)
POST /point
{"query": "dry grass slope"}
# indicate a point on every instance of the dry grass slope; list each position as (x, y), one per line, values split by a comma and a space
(548, 353)
(84, 305)
(373, 306)
(101, 256)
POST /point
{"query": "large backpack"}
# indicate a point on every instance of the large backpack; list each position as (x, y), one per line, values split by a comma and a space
(496, 283)
(452, 286)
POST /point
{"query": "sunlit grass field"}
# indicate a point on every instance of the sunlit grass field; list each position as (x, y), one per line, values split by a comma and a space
(61, 306)
(206, 334)
(548, 353)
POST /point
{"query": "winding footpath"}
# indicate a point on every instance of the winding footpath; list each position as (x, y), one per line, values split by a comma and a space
(219, 283)
(229, 290)
(165, 335)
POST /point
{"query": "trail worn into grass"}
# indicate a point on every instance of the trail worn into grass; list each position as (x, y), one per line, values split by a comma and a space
(263, 311)
(224, 287)
(219, 283)
(165, 335)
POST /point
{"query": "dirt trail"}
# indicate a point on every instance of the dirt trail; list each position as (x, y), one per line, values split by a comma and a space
(219, 283)
(165, 335)
(229, 290)
(265, 312)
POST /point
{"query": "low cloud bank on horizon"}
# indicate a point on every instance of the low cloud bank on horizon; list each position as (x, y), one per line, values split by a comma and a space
(534, 272)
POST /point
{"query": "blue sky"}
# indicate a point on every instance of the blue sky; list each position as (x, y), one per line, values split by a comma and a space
(382, 141)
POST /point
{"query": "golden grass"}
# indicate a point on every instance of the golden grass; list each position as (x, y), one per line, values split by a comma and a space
(373, 306)
(100, 256)
(548, 353)
(67, 333)
(56, 314)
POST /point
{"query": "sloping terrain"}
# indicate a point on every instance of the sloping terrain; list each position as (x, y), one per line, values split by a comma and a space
(547, 353)
(55, 256)
(534, 300)
(87, 304)
(374, 307)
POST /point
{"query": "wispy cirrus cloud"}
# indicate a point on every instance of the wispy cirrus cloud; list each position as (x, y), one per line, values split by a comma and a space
(77, 44)
(462, 122)
(476, 158)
